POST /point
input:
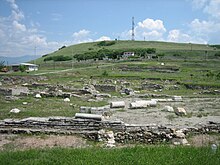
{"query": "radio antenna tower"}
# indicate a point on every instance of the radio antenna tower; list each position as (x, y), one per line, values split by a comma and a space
(132, 35)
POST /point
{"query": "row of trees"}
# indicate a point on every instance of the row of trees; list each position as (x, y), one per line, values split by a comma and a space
(113, 54)
(57, 58)
(102, 53)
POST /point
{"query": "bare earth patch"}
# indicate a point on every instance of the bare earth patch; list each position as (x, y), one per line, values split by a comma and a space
(13, 142)
(204, 140)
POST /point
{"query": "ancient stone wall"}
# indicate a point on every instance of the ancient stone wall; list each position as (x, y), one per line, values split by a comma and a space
(105, 87)
(90, 128)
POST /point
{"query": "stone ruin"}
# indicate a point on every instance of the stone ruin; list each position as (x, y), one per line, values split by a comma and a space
(95, 127)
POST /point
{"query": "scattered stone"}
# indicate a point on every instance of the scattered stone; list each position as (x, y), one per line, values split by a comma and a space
(110, 139)
(66, 100)
(11, 98)
(106, 95)
(143, 104)
(15, 110)
(38, 96)
(95, 110)
(177, 98)
(168, 109)
(129, 91)
(180, 141)
(180, 111)
(117, 104)
(105, 87)
(180, 134)
(88, 116)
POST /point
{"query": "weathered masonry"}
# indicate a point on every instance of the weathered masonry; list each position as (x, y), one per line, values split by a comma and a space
(91, 126)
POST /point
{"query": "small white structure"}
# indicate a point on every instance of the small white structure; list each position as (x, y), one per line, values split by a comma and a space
(128, 54)
(29, 66)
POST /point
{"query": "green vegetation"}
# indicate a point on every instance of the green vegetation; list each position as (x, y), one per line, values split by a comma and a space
(136, 155)
(96, 50)
(43, 107)
(22, 68)
(58, 58)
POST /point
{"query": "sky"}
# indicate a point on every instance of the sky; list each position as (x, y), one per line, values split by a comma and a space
(38, 27)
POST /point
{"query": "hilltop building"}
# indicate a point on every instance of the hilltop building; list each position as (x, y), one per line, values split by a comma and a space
(127, 54)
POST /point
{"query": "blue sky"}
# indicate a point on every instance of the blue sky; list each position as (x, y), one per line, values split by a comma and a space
(50, 24)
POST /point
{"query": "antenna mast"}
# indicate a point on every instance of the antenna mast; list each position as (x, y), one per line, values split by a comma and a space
(132, 35)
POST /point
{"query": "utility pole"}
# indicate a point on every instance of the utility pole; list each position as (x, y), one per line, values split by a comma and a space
(132, 35)
(35, 53)
(72, 57)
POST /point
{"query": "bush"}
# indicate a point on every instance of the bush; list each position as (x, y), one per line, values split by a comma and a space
(62, 58)
(151, 50)
(58, 58)
(62, 47)
(217, 54)
(22, 68)
(177, 55)
(105, 73)
(2, 64)
(106, 43)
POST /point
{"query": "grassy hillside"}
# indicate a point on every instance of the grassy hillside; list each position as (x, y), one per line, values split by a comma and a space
(165, 47)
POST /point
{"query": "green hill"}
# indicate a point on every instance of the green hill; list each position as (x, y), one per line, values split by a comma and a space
(167, 48)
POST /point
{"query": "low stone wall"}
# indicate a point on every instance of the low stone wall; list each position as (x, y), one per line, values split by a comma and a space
(13, 91)
(5, 91)
(98, 130)
(105, 87)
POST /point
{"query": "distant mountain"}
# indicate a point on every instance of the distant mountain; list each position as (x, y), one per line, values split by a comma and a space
(15, 60)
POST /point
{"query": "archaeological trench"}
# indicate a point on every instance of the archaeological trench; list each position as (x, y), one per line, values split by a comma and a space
(133, 118)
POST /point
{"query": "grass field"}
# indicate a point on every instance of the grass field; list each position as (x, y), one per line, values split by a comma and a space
(161, 155)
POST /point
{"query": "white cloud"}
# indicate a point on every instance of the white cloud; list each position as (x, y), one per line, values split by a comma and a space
(213, 8)
(81, 34)
(18, 39)
(149, 29)
(18, 27)
(177, 36)
(198, 4)
(150, 24)
(210, 7)
(153, 35)
(104, 38)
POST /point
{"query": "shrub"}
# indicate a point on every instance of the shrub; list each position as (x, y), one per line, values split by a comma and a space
(106, 43)
(151, 50)
(58, 58)
(22, 68)
(62, 47)
(217, 54)
(105, 73)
